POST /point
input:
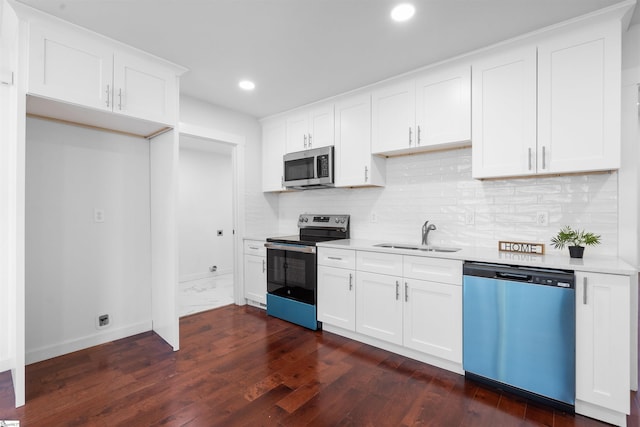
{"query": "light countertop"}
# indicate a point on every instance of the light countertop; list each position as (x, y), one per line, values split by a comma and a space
(593, 264)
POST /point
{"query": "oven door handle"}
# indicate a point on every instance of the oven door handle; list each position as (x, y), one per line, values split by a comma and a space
(291, 248)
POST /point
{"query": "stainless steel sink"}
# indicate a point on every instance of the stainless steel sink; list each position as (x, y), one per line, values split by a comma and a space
(417, 247)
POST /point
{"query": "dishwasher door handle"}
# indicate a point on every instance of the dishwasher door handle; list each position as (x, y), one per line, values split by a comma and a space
(513, 276)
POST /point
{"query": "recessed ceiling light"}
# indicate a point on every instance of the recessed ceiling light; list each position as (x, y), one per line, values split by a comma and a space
(247, 85)
(403, 12)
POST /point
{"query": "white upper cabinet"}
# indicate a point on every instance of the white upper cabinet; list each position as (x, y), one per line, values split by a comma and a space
(429, 112)
(579, 100)
(143, 89)
(443, 107)
(310, 128)
(273, 142)
(552, 107)
(74, 69)
(393, 118)
(504, 114)
(354, 164)
(78, 67)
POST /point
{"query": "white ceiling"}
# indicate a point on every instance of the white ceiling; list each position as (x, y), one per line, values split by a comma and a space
(300, 51)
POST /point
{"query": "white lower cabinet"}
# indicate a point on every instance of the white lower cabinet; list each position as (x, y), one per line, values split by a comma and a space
(336, 303)
(602, 346)
(337, 297)
(411, 302)
(433, 318)
(255, 267)
(379, 306)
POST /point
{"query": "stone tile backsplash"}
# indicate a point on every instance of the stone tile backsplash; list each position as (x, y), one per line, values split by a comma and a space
(438, 187)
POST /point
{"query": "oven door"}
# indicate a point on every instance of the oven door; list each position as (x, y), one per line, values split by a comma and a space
(291, 272)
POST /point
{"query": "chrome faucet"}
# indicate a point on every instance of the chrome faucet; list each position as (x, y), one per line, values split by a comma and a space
(426, 228)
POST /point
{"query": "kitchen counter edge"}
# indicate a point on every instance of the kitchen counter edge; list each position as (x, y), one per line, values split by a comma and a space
(593, 264)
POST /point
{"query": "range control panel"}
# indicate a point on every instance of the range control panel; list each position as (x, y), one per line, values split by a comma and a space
(322, 221)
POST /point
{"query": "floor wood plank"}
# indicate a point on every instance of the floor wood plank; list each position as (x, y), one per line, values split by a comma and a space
(239, 367)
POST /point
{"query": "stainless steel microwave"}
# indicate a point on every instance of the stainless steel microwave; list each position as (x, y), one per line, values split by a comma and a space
(309, 169)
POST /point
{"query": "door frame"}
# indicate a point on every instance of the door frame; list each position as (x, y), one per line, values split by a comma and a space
(237, 143)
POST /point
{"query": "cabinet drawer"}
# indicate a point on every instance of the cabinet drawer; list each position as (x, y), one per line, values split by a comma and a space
(255, 247)
(341, 258)
(433, 269)
(377, 262)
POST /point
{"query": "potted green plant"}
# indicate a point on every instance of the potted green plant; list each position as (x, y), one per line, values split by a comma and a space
(575, 240)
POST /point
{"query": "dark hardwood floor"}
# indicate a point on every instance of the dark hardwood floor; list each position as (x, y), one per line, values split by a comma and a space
(238, 367)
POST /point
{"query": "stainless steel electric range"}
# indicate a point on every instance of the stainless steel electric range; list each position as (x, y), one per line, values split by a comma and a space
(291, 268)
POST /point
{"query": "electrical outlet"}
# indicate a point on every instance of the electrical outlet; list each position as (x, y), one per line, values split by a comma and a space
(542, 218)
(469, 218)
(98, 215)
(374, 217)
(102, 321)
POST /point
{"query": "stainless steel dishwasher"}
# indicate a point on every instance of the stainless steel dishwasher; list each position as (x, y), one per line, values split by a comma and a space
(519, 331)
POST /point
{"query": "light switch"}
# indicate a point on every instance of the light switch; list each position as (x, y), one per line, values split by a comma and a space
(98, 215)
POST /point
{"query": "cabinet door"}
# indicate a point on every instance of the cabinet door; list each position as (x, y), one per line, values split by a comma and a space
(433, 318)
(297, 126)
(504, 114)
(255, 278)
(579, 101)
(379, 306)
(69, 68)
(337, 297)
(321, 127)
(353, 165)
(273, 140)
(144, 89)
(443, 107)
(393, 118)
(602, 340)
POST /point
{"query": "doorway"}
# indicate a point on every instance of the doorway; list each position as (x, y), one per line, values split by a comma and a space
(208, 219)
(205, 225)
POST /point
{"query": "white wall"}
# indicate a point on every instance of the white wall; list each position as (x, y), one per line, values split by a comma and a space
(78, 269)
(629, 172)
(438, 187)
(205, 206)
(261, 210)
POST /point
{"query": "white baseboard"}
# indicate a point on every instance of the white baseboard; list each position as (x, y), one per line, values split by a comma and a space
(198, 276)
(6, 364)
(101, 337)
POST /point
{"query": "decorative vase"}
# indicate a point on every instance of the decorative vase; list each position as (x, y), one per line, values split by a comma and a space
(576, 251)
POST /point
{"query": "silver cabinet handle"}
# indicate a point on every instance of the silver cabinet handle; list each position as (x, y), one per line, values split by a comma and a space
(366, 174)
(309, 140)
(305, 140)
(120, 99)
(350, 281)
(335, 258)
(584, 291)
(255, 248)
(406, 292)
(263, 266)
(108, 92)
(419, 135)
(529, 158)
(282, 181)
(544, 157)
(397, 290)
(409, 136)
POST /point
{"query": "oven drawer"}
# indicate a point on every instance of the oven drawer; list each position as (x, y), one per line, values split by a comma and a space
(255, 247)
(341, 258)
